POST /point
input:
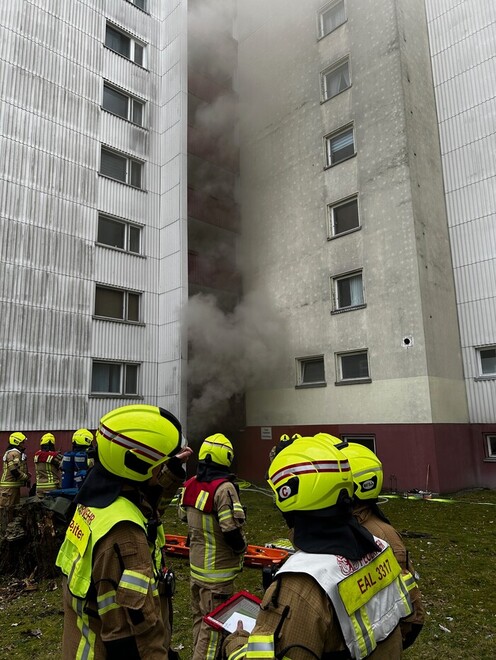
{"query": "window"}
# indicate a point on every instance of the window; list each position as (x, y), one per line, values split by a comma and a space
(125, 45)
(310, 371)
(365, 440)
(340, 146)
(343, 217)
(117, 304)
(119, 234)
(353, 366)
(348, 291)
(331, 17)
(122, 105)
(139, 3)
(487, 357)
(114, 378)
(121, 168)
(335, 80)
(491, 446)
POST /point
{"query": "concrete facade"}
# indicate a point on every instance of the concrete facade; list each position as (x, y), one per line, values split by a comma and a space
(406, 319)
(402, 247)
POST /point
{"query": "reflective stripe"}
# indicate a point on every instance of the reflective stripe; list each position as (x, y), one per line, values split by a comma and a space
(213, 642)
(224, 515)
(220, 575)
(239, 653)
(409, 581)
(210, 545)
(106, 602)
(151, 453)
(309, 467)
(238, 508)
(405, 596)
(86, 647)
(135, 581)
(201, 500)
(363, 631)
(11, 484)
(260, 646)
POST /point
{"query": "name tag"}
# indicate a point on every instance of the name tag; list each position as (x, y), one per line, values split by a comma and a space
(359, 587)
(79, 532)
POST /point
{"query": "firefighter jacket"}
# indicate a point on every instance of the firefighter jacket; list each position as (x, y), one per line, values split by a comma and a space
(47, 465)
(213, 512)
(330, 607)
(15, 472)
(410, 627)
(111, 601)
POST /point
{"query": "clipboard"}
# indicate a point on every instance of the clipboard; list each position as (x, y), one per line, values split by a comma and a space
(242, 606)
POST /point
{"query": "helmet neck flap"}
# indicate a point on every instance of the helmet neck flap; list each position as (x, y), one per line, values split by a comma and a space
(338, 533)
(208, 471)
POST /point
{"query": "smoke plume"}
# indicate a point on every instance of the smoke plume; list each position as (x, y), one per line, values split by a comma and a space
(229, 353)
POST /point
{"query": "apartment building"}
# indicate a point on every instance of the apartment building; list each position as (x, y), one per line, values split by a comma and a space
(344, 221)
(332, 157)
(93, 210)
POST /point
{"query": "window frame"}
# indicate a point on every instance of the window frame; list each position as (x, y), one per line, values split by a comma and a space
(358, 437)
(489, 451)
(327, 71)
(131, 102)
(128, 226)
(340, 380)
(300, 369)
(320, 17)
(125, 304)
(328, 139)
(337, 308)
(331, 217)
(124, 377)
(144, 8)
(482, 375)
(129, 160)
(133, 42)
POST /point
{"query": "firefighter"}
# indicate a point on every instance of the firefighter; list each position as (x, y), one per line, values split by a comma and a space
(368, 478)
(284, 441)
(341, 594)
(77, 462)
(211, 507)
(47, 464)
(15, 474)
(112, 558)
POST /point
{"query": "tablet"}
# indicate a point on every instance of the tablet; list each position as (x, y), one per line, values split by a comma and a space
(242, 606)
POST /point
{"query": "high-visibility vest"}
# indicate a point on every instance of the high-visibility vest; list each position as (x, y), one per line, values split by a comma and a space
(87, 527)
(369, 596)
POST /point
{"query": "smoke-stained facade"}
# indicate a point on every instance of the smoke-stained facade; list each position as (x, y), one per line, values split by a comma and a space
(283, 165)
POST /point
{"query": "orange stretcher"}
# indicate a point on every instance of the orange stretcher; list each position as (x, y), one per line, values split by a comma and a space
(256, 555)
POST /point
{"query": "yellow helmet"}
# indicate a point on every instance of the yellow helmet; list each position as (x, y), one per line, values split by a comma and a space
(17, 438)
(82, 437)
(309, 475)
(132, 440)
(47, 439)
(366, 469)
(219, 448)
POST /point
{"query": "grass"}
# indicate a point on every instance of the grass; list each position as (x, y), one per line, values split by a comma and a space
(453, 546)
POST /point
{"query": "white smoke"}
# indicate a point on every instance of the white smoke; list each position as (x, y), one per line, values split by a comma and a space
(229, 353)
